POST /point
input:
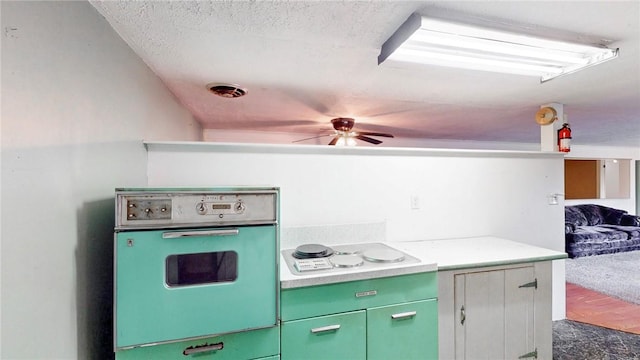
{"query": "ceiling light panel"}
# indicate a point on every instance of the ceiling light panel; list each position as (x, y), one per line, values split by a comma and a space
(437, 42)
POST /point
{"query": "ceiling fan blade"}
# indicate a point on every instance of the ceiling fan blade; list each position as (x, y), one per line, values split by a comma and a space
(334, 141)
(374, 134)
(368, 139)
(310, 138)
(268, 124)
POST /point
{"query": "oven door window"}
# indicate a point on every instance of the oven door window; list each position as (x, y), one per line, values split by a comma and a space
(201, 268)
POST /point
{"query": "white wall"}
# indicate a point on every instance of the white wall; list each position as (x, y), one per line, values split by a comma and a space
(461, 193)
(578, 151)
(76, 105)
(605, 152)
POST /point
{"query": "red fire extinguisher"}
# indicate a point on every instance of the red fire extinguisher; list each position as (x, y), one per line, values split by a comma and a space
(564, 138)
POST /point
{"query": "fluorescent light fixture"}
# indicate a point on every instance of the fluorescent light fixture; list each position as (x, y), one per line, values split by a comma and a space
(437, 42)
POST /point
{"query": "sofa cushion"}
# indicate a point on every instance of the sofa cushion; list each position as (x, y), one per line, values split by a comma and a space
(578, 249)
(598, 234)
(630, 220)
(574, 216)
(632, 231)
(591, 213)
(610, 215)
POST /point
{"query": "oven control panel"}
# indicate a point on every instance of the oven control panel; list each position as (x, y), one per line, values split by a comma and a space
(304, 265)
(148, 209)
(162, 209)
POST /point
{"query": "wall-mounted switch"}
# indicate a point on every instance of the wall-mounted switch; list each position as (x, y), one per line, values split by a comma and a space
(415, 202)
(552, 199)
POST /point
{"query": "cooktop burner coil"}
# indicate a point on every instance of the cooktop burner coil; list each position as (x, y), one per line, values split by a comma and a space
(383, 255)
(311, 251)
(346, 261)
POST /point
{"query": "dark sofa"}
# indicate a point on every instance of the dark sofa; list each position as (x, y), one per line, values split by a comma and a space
(594, 229)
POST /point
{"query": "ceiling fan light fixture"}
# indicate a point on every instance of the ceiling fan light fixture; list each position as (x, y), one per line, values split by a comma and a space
(346, 140)
(438, 42)
(225, 90)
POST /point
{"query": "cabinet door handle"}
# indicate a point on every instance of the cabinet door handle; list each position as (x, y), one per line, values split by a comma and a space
(202, 348)
(325, 329)
(463, 316)
(404, 315)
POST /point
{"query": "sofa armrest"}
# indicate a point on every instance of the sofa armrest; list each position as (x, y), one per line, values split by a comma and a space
(569, 228)
(630, 220)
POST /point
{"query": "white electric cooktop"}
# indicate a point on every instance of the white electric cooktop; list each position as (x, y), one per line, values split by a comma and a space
(315, 264)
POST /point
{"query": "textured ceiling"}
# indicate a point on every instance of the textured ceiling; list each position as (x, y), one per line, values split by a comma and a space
(305, 62)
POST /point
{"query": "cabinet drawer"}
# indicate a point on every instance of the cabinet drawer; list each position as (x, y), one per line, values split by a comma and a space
(405, 331)
(244, 345)
(340, 336)
(306, 302)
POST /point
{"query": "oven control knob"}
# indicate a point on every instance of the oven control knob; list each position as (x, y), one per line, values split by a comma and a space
(239, 207)
(201, 208)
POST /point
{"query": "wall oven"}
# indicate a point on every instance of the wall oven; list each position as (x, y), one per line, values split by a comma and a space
(191, 263)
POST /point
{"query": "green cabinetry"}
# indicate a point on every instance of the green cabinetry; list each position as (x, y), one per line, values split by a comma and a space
(255, 344)
(339, 336)
(405, 331)
(383, 318)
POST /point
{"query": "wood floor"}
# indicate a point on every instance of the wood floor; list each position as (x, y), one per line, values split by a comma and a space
(591, 307)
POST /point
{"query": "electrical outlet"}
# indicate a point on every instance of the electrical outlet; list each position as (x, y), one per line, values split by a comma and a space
(415, 202)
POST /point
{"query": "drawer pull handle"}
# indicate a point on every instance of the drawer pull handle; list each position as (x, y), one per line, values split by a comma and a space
(202, 348)
(325, 329)
(181, 234)
(404, 315)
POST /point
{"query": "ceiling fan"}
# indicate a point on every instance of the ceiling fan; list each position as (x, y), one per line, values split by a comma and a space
(345, 135)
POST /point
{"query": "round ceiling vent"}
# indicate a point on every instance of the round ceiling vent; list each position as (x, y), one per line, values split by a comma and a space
(227, 90)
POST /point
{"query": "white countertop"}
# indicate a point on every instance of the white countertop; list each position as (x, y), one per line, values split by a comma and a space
(473, 252)
(434, 255)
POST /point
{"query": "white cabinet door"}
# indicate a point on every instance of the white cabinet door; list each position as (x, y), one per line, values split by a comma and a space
(520, 286)
(494, 313)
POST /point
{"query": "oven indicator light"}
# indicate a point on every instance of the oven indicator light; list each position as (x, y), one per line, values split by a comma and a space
(221, 206)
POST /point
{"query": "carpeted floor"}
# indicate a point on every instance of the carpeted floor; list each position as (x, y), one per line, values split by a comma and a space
(577, 341)
(612, 274)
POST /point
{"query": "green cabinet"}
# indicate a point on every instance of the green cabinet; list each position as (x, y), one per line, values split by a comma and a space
(339, 336)
(383, 318)
(405, 331)
(262, 343)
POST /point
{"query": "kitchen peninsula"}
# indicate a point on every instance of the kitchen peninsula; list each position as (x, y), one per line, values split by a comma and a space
(493, 298)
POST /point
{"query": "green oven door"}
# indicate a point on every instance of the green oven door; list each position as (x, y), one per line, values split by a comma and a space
(179, 284)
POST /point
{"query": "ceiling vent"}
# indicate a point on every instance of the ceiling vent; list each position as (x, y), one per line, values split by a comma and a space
(227, 90)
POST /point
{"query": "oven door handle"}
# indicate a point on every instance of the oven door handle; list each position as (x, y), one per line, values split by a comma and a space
(181, 234)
